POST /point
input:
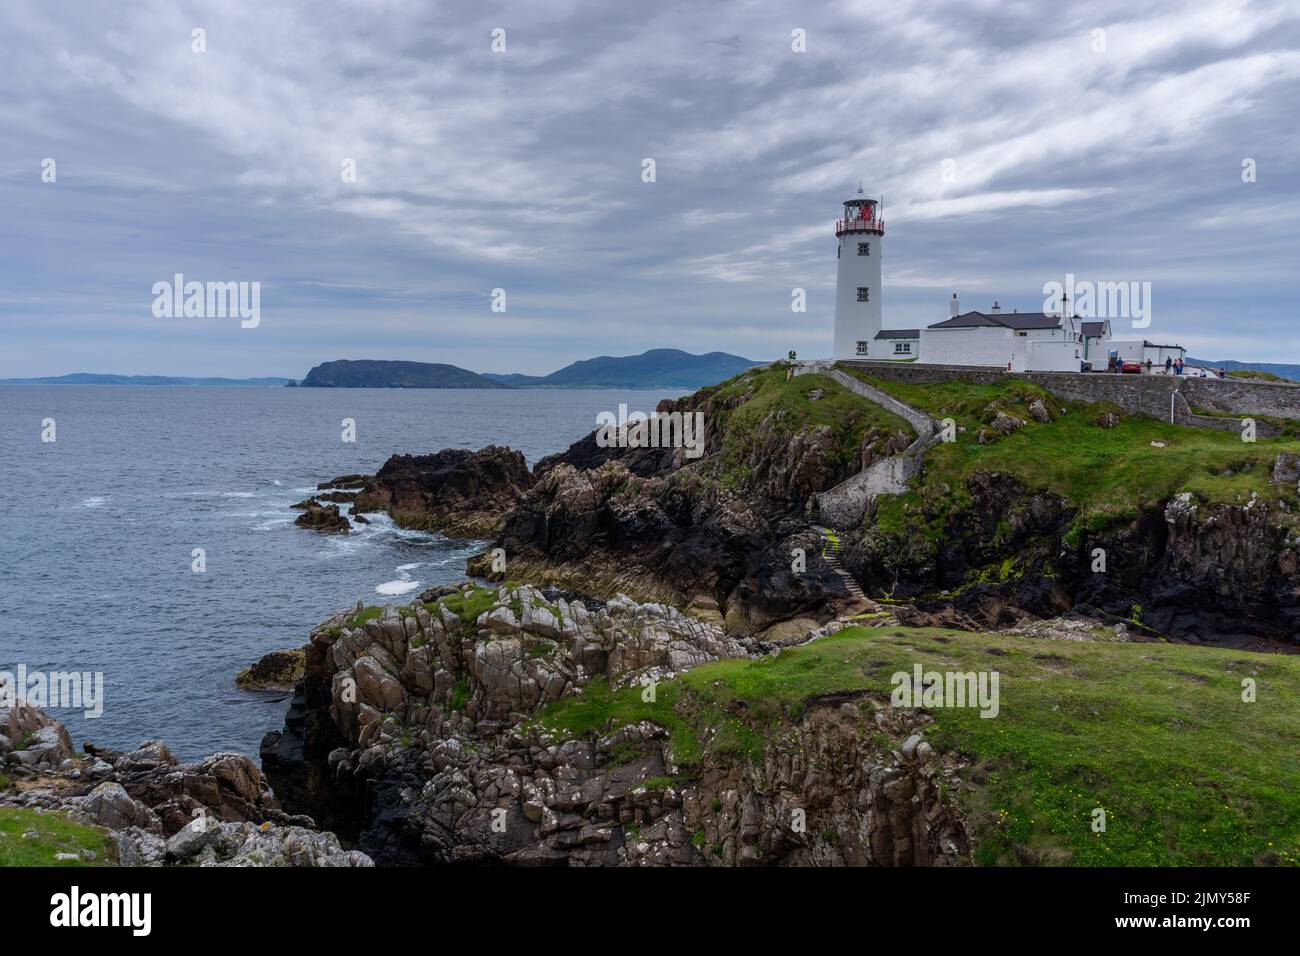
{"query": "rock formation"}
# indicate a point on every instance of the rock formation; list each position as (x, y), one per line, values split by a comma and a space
(218, 811)
(465, 493)
(421, 734)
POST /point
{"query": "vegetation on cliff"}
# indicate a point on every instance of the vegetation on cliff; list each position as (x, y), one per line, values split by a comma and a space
(758, 414)
(31, 838)
(1156, 735)
(1106, 465)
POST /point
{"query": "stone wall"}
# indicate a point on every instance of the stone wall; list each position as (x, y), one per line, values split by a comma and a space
(1136, 394)
(1237, 397)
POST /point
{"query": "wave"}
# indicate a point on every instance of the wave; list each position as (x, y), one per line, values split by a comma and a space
(396, 587)
(94, 502)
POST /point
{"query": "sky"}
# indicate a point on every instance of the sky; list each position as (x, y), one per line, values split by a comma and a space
(1013, 142)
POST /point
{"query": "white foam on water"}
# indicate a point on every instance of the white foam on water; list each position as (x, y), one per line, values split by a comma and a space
(408, 567)
(94, 502)
(396, 587)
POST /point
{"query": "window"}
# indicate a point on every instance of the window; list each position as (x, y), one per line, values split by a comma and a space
(862, 347)
(902, 348)
(864, 294)
(864, 248)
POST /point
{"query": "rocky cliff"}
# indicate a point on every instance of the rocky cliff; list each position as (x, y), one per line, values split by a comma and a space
(456, 491)
(1203, 572)
(155, 810)
(721, 533)
(437, 734)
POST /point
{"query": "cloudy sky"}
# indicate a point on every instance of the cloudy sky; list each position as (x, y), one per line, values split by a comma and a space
(1013, 142)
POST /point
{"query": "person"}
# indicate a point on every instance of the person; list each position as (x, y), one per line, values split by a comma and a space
(1148, 366)
(1169, 364)
(1178, 367)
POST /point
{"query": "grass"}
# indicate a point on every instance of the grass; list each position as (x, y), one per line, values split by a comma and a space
(785, 406)
(468, 604)
(1258, 374)
(55, 834)
(1106, 474)
(1157, 735)
(460, 695)
(372, 613)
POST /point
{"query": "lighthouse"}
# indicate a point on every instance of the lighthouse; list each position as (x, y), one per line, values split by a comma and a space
(861, 235)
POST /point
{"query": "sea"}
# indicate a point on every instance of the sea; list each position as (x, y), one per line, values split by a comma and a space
(102, 528)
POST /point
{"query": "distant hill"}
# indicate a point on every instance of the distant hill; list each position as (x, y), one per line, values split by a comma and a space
(1291, 372)
(91, 378)
(657, 368)
(371, 373)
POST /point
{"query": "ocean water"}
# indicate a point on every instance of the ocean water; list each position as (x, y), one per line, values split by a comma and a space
(100, 525)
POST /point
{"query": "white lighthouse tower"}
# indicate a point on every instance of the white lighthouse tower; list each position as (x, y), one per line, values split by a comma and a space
(861, 235)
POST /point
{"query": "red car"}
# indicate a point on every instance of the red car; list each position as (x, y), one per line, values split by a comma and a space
(1131, 368)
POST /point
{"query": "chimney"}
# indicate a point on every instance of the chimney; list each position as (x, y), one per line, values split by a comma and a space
(996, 308)
(954, 305)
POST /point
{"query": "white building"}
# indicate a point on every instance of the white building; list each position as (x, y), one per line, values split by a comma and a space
(1015, 341)
(861, 236)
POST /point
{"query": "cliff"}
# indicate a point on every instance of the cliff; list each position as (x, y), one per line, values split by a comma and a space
(534, 727)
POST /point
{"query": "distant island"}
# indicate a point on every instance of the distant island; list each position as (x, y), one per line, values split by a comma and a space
(91, 378)
(657, 368)
(371, 373)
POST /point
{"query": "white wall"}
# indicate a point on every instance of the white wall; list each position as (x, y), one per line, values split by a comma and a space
(1157, 355)
(1057, 355)
(1130, 350)
(858, 321)
(997, 347)
(883, 349)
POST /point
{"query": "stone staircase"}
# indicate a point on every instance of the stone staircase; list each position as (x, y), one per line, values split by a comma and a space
(844, 505)
(831, 552)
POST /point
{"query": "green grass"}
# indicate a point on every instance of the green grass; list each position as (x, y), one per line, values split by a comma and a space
(1259, 374)
(372, 613)
(785, 406)
(1106, 474)
(55, 834)
(1155, 734)
(460, 694)
(469, 604)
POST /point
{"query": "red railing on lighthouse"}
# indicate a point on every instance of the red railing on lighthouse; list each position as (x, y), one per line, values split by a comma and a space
(843, 226)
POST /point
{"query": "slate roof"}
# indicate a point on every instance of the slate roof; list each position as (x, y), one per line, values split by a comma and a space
(899, 334)
(1020, 321)
(1093, 330)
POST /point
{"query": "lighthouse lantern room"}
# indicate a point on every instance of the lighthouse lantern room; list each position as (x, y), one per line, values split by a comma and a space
(861, 235)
